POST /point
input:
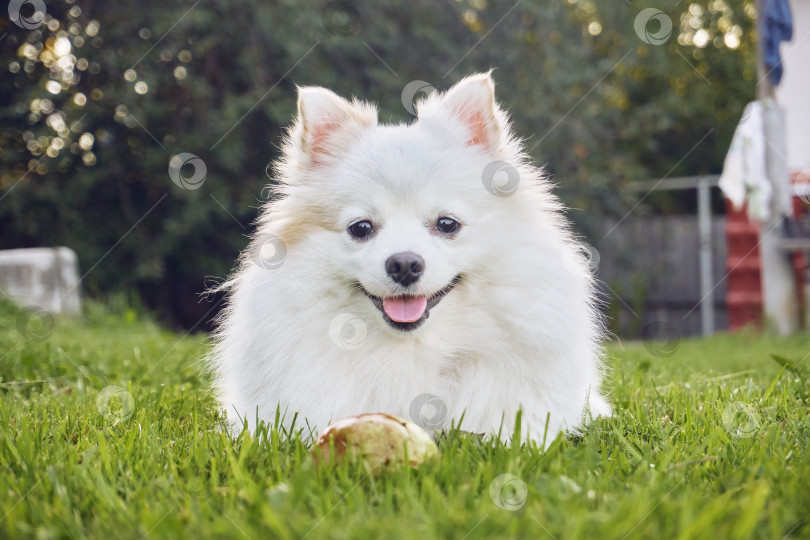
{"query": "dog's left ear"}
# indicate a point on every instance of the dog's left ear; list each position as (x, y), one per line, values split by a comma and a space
(327, 125)
(472, 102)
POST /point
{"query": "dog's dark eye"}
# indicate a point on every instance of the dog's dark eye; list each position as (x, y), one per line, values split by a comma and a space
(361, 229)
(446, 225)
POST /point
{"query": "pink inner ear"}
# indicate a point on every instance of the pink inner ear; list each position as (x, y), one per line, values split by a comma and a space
(477, 124)
(319, 136)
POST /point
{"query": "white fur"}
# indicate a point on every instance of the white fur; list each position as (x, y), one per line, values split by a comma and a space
(520, 331)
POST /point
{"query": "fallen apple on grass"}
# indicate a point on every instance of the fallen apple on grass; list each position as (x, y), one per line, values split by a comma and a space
(380, 440)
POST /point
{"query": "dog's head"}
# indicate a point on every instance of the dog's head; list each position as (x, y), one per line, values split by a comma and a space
(401, 215)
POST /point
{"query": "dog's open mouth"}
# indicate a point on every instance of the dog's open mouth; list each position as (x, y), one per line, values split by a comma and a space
(407, 312)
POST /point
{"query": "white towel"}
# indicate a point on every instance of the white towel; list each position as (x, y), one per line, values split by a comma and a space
(744, 179)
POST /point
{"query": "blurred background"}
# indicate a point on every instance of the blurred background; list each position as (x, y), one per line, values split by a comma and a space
(630, 106)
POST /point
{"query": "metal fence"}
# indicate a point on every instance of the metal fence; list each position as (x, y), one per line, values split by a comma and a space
(667, 270)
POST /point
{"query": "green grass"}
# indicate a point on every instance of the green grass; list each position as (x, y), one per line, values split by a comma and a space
(667, 465)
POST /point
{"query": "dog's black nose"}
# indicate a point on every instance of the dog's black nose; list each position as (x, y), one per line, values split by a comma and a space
(405, 268)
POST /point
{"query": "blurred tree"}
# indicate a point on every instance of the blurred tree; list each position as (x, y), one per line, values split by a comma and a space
(100, 96)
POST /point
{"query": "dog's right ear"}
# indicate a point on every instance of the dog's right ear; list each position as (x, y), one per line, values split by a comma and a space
(470, 104)
(327, 125)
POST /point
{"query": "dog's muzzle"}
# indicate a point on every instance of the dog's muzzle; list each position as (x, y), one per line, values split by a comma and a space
(408, 312)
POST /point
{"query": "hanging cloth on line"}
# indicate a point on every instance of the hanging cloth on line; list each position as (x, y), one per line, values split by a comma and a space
(777, 27)
(744, 179)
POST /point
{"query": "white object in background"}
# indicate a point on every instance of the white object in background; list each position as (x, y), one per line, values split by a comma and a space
(43, 277)
(792, 91)
(744, 178)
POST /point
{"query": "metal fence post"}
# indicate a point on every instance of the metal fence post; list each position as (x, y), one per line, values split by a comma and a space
(705, 231)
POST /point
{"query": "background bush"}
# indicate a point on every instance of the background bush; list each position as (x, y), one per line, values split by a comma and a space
(148, 80)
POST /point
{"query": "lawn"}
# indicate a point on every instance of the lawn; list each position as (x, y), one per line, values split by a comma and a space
(107, 431)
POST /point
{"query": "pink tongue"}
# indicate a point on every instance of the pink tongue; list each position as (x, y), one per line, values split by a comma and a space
(405, 309)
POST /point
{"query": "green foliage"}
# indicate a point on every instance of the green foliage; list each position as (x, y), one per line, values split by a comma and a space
(708, 443)
(146, 81)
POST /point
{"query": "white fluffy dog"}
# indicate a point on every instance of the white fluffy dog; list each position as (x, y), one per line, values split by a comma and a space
(375, 227)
